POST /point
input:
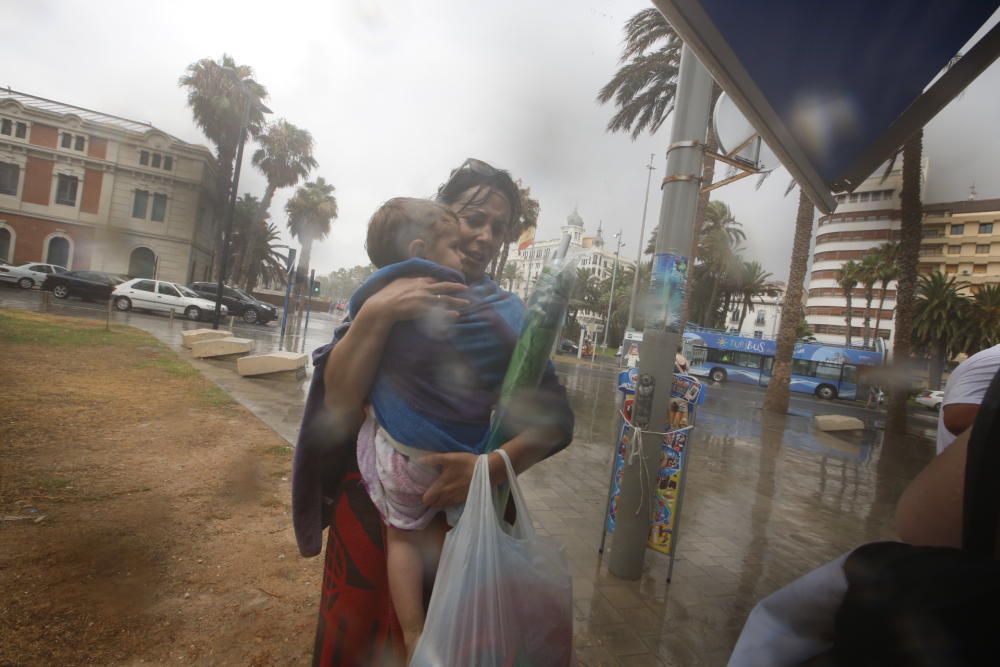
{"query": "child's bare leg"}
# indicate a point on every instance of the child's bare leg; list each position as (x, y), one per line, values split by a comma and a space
(405, 565)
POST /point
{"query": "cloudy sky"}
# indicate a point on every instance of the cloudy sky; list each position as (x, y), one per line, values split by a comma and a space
(397, 92)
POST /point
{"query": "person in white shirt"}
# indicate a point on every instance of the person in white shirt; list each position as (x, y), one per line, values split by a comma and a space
(964, 393)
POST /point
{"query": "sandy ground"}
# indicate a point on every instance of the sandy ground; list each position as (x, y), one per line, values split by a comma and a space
(145, 514)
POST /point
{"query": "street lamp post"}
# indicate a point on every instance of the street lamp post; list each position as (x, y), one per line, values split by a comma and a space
(611, 296)
(638, 251)
(227, 229)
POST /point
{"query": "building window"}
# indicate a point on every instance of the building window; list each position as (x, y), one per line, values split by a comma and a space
(979, 268)
(144, 158)
(986, 228)
(957, 230)
(66, 190)
(864, 196)
(159, 212)
(951, 268)
(157, 160)
(74, 142)
(983, 249)
(139, 204)
(168, 163)
(10, 127)
(758, 334)
(954, 249)
(9, 174)
(760, 318)
(142, 264)
(853, 198)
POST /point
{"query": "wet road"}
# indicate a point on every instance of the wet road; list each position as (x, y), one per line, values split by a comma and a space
(768, 498)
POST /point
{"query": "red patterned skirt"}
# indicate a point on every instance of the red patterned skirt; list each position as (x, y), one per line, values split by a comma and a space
(357, 624)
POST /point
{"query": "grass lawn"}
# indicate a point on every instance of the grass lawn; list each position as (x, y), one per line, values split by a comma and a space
(145, 514)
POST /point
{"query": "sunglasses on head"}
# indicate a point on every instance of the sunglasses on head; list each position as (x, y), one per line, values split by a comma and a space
(476, 167)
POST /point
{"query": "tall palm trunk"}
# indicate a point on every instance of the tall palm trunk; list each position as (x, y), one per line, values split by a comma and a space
(878, 315)
(849, 316)
(708, 320)
(776, 399)
(246, 256)
(223, 183)
(909, 254)
(303, 270)
(869, 297)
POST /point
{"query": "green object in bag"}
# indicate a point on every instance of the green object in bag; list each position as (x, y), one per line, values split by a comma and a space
(547, 306)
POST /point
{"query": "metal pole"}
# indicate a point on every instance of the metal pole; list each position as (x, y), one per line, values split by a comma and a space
(611, 297)
(579, 347)
(312, 275)
(227, 229)
(638, 252)
(288, 292)
(681, 188)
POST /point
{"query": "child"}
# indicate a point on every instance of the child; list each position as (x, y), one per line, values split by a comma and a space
(434, 390)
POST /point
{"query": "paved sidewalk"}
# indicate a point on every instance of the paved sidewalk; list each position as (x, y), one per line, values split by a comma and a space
(768, 499)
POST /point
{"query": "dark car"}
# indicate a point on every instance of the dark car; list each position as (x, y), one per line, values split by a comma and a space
(239, 303)
(566, 346)
(88, 285)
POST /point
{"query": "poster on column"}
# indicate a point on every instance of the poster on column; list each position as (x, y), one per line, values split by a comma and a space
(666, 291)
(668, 484)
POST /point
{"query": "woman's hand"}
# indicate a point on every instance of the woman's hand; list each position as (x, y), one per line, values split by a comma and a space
(452, 485)
(409, 298)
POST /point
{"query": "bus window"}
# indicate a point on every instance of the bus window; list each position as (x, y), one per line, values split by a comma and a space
(828, 371)
(747, 360)
(850, 374)
(803, 367)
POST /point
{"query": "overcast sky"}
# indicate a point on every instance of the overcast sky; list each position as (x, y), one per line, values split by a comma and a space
(397, 92)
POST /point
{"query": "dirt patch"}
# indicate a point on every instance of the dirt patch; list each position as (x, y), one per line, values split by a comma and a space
(146, 515)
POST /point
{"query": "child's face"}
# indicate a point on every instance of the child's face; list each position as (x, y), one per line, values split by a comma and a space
(445, 249)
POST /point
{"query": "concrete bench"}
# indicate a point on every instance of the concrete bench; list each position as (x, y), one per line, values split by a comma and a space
(838, 423)
(192, 336)
(273, 362)
(221, 347)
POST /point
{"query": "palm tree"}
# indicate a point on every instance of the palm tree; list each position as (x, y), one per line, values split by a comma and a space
(850, 273)
(754, 283)
(311, 211)
(907, 261)
(776, 399)
(268, 264)
(284, 157)
(982, 327)
(868, 276)
(887, 271)
(718, 216)
(643, 88)
(937, 320)
(219, 94)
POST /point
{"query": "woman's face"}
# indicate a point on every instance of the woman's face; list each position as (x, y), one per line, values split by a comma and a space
(482, 225)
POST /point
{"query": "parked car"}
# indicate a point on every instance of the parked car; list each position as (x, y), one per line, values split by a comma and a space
(566, 346)
(161, 296)
(90, 285)
(30, 274)
(930, 399)
(238, 302)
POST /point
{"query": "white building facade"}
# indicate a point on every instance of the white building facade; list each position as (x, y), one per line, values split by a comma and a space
(864, 220)
(762, 321)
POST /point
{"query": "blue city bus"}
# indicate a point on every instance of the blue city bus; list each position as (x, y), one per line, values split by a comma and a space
(827, 371)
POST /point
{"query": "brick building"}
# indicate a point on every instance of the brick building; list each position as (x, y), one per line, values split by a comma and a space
(88, 190)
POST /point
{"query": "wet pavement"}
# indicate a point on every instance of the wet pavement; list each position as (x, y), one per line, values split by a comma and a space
(768, 498)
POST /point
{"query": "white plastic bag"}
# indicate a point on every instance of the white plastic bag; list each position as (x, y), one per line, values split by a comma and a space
(503, 595)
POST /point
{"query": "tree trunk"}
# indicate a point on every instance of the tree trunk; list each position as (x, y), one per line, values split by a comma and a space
(935, 366)
(223, 182)
(878, 315)
(303, 269)
(707, 176)
(849, 316)
(776, 399)
(708, 319)
(909, 255)
(247, 256)
(869, 296)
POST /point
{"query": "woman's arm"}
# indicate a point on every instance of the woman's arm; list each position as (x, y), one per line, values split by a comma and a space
(353, 362)
(929, 512)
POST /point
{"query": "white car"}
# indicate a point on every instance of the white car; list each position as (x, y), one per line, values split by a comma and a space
(930, 399)
(30, 274)
(159, 295)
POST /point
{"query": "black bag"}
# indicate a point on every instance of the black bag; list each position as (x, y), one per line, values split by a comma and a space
(908, 605)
